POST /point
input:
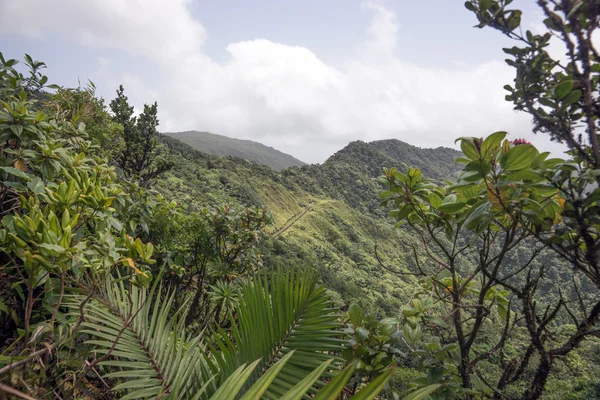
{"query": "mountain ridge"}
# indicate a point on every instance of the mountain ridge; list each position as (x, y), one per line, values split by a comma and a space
(220, 145)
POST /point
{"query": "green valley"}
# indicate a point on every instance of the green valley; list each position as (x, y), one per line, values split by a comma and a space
(136, 264)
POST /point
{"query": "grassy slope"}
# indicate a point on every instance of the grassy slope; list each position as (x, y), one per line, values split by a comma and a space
(325, 216)
(246, 149)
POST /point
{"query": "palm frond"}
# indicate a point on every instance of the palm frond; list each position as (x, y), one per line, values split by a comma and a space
(277, 313)
(232, 387)
(150, 347)
(280, 345)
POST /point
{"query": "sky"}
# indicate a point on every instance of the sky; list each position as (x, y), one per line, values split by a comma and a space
(305, 77)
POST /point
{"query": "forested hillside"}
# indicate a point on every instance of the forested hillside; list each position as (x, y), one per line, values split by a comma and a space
(135, 266)
(220, 145)
(324, 216)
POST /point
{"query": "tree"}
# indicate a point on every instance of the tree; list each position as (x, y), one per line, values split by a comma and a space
(508, 196)
(80, 105)
(561, 94)
(140, 159)
(59, 225)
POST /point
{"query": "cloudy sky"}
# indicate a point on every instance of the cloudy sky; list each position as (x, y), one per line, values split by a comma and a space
(303, 76)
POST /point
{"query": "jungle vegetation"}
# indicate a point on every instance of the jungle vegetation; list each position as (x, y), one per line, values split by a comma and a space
(133, 265)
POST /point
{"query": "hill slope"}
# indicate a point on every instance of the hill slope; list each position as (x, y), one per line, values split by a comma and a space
(220, 145)
(325, 216)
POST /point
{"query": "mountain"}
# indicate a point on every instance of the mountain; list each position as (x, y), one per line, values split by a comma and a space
(348, 174)
(220, 145)
(326, 216)
(435, 163)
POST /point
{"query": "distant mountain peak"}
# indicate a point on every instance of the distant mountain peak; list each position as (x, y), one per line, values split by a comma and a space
(435, 163)
(220, 145)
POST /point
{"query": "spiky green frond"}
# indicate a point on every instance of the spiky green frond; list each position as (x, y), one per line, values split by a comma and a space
(286, 329)
(150, 347)
(277, 313)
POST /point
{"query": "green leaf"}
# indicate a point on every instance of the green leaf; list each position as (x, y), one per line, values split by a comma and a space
(356, 315)
(434, 374)
(279, 311)
(53, 247)
(469, 191)
(36, 185)
(468, 148)
(370, 391)
(261, 385)
(16, 172)
(482, 167)
(402, 213)
(476, 212)
(503, 312)
(435, 320)
(415, 176)
(337, 384)
(572, 98)
(484, 5)
(423, 393)
(523, 175)
(518, 157)
(302, 387)
(492, 142)
(361, 334)
(232, 386)
(563, 89)
(451, 208)
(434, 200)
(17, 130)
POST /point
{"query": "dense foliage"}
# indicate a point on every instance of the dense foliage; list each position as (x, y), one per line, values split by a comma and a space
(78, 317)
(135, 266)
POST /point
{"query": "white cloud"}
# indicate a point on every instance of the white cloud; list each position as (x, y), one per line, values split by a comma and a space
(281, 95)
(162, 30)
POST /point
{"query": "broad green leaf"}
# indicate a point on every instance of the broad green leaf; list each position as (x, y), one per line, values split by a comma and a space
(468, 148)
(572, 98)
(434, 200)
(36, 185)
(563, 88)
(469, 191)
(422, 393)
(53, 247)
(483, 167)
(518, 157)
(451, 208)
(492, 142)
(502, 311)
(434, 374)
(523, 175)
(402, 213)
(370, 391)
(476, 212)
(356, 315)
(16, 172)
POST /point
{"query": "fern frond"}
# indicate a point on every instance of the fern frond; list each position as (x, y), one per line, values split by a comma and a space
(280, 312)
(150, 347)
